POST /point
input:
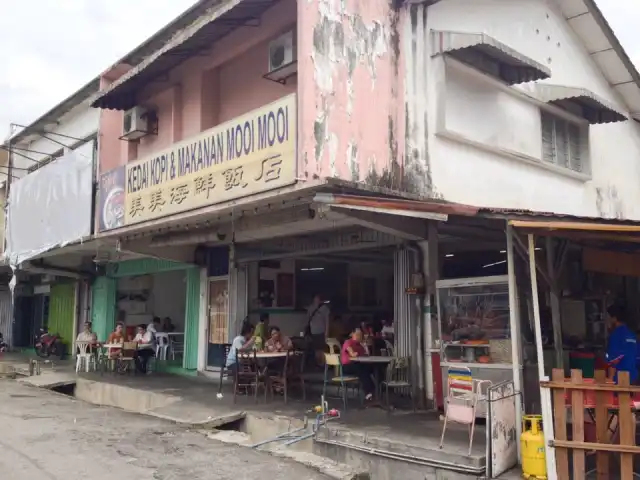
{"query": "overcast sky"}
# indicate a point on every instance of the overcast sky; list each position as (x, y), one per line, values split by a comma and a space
(50, 48)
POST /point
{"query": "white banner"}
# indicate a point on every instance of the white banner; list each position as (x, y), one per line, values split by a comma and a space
(50, 207)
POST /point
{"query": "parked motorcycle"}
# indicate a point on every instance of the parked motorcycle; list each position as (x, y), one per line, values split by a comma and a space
(48, 344)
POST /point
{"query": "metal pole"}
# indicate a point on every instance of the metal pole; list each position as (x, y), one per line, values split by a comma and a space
(545, 394)
(514, 324)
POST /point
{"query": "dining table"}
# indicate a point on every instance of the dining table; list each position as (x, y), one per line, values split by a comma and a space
(378, 360)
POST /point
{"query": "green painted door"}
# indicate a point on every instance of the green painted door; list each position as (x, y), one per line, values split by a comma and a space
(192, 319)
(103, 306)
(62, 311)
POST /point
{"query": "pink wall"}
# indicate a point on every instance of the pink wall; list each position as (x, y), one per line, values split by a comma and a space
(205, 90)
(351, 107)
(349, 84)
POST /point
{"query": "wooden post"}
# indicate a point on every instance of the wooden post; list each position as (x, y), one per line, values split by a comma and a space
(602, 432)
(626, 427)
(545, 395)
(516, 345)
(555, 302)
(560, 427)
(577, 424)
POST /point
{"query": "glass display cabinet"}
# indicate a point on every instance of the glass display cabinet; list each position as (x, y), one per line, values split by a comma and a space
(474, 328)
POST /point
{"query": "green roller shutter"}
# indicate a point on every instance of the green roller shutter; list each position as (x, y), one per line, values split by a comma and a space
(103, 306)
(62, 311)
(192, 319)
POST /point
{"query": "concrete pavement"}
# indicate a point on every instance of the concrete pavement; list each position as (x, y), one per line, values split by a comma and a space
(54, 437)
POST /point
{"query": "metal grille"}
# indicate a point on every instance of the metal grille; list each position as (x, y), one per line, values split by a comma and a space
(6, 316)
(403, 309)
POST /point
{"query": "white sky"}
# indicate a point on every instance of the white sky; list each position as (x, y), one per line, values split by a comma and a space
(50, 48)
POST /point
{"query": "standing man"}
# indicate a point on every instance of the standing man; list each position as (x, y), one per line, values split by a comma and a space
(623, 346)
(318, 326)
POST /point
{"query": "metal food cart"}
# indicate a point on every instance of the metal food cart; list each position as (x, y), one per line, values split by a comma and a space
(474, 329)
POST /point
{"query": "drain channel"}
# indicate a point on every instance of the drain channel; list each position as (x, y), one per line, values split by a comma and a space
(68, 389)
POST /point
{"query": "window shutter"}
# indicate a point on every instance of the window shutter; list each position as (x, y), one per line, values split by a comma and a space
(547, 138)
(575, 148)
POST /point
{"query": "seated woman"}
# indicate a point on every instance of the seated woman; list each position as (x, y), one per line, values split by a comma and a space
(146, 347)
(278, 342)
(119, 335)
(354, 348)
(242, 342)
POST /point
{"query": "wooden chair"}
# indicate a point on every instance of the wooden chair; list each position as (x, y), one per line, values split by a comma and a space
(126, 362)
(332, 360)
(248, 375)
(281, 381)
(463, 396)
(224, 370)
(398, 377)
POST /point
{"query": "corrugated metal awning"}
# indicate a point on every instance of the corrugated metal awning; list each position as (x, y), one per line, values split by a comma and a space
(579, 226)
(581, 102)
(217, 22)
(489, 55)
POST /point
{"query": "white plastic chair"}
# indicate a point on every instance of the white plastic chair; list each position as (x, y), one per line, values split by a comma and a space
(85, 356)
(162, 345)
(176, 347)
(463, 396)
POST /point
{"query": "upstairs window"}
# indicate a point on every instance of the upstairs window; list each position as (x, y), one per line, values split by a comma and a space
(563, 143)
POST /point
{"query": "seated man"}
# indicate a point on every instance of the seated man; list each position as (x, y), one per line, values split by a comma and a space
(278, 342)
(146, 347)
(242, 342)
(87, 334)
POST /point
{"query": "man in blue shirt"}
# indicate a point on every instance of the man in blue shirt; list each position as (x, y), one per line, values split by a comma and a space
(622, 349)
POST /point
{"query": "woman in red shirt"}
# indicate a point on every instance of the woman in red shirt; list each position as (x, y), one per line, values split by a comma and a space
(353, 348)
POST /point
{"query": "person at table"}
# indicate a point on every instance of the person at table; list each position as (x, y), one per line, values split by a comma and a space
(623, 345)
(278, 342)
(146, 347)
(260, 332)
(118, 336)
(155, 326)
(353, 348)
(243, 342)
(87, 336)
(168, 326)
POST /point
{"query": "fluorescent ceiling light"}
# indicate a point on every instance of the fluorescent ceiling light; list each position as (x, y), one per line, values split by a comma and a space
(495, 263)
(503, 251)
(314, 269)
(449, 255)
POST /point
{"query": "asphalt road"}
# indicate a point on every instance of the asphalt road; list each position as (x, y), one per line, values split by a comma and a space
(48, 436)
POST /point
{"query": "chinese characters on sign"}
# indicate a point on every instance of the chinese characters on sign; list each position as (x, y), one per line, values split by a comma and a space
(248, 155)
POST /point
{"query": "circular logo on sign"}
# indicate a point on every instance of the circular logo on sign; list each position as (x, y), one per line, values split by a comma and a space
(113, 209)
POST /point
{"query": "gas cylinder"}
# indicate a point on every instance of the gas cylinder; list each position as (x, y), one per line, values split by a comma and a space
(532, 446)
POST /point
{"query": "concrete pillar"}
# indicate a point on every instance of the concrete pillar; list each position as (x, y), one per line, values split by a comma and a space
(429, 320)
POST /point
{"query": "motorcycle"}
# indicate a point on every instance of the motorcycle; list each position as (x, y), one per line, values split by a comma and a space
(48, 344)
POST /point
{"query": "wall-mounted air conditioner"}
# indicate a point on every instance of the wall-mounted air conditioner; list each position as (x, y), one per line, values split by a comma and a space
(135, 123)
(282, 57)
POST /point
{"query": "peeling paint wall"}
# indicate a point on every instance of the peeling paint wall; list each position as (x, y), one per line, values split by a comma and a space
(350, 92)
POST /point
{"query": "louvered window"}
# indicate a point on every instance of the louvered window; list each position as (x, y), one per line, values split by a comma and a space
(563, 143)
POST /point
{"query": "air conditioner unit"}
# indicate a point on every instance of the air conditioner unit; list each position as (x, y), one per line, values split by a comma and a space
(282, 52)
(135, 123)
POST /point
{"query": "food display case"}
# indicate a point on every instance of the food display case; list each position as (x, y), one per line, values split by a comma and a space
(474, 328)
